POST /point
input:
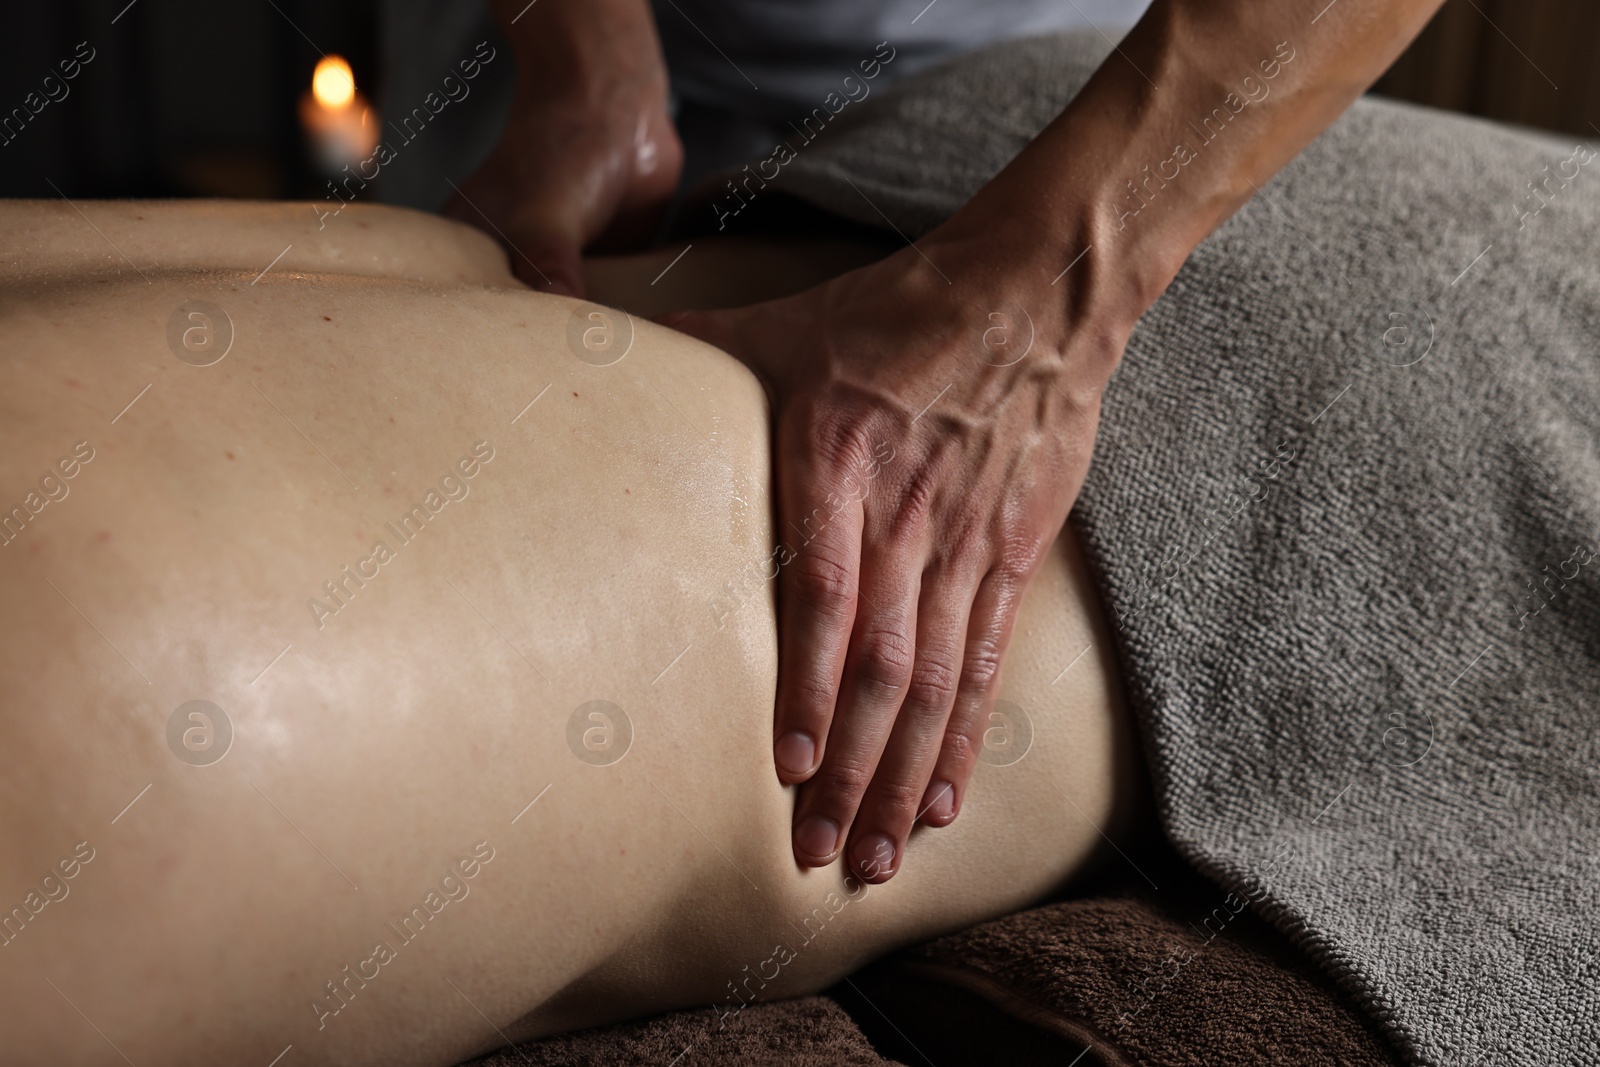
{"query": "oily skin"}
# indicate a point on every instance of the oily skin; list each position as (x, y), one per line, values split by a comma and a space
(896, 612)
(589, 156)
(426, 714)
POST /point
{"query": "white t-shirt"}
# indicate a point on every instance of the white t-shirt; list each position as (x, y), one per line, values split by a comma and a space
(753, 65)
(777, 58)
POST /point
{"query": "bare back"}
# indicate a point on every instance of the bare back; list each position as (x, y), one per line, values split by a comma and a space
(481, 619)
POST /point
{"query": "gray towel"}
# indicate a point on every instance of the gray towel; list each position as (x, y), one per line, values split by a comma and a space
(1344, 511)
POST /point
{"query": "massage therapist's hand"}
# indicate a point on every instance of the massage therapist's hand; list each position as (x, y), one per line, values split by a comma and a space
(589, 153)
(924, 464)
(927, 454)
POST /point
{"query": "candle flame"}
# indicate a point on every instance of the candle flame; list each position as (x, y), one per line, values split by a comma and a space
(332, 83)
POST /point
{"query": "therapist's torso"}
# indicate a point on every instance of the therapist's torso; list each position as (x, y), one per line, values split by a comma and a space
(756, 62)
(778, 58)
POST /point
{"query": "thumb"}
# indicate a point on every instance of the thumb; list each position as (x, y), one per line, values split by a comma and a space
(549, 265)
(542, 257)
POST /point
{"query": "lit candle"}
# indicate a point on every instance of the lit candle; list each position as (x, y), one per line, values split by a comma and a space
(342, 128)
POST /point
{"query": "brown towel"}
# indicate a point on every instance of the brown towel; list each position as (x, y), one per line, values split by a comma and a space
(1181, 975)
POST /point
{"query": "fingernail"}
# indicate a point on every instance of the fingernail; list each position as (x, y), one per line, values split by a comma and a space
(817, 836)
(874, 858)
(939, 803)
(795, 753)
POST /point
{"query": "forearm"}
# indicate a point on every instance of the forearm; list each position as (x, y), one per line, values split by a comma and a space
(588, 156)
(1200, 105)
(561, 45)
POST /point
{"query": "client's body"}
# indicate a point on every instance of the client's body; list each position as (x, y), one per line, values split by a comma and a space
(395, 711)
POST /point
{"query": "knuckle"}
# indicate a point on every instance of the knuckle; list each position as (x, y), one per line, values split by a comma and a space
(918, 494)
(813, 699)
(822, 583)
(981, 665)
(844, 783)
(1015, 561)
(843, 434)
(885, 658)
(897, 796)
(933, 683)
(960, 749)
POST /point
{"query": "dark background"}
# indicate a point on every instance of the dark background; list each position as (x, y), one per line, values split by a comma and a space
(183, 97)
(198, 97)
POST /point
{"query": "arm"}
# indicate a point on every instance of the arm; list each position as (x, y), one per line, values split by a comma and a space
(923, 468)
(589, 154)
(1109, 171)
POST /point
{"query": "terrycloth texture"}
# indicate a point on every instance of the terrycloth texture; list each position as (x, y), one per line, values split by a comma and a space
(1321, 563)
(1178, 976)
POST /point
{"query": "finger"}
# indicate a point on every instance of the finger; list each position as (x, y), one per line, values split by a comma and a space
(989, 624)
(818, 576)
(549, 265)
(645, 204)
(897, 794)
(544, 258)
(881, 659)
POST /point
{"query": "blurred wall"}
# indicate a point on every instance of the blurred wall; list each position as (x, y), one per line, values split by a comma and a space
(1531, 62)
(181, 97)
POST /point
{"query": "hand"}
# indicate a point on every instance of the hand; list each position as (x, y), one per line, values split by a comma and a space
(932, 434)
(589, 153)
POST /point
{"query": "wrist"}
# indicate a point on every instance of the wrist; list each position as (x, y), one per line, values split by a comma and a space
(566, 51)
(1079, 290)
(1109, 200)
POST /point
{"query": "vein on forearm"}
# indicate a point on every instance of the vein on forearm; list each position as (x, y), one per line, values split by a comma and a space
(1196, 109)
